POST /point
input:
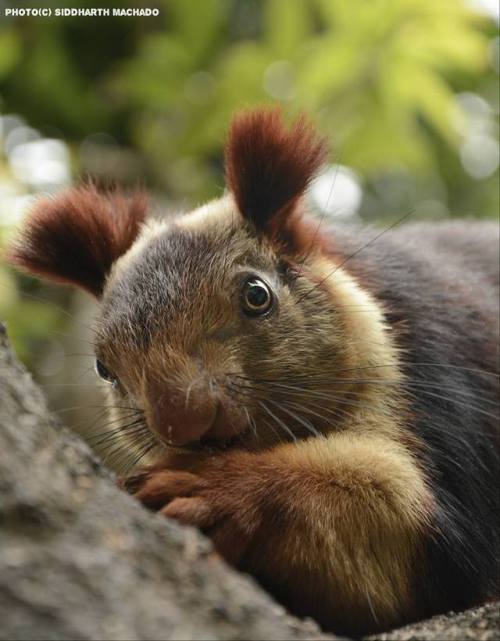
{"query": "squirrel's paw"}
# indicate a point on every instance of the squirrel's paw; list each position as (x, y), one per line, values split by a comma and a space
(201, 499)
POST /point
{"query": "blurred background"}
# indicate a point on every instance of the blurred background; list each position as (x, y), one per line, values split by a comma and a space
(406, 91)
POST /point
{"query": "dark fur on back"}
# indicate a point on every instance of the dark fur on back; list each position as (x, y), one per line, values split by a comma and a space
(439, 284)
(76, 236)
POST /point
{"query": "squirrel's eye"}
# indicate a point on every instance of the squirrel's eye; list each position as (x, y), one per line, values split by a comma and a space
(103, 372)
(256, 297)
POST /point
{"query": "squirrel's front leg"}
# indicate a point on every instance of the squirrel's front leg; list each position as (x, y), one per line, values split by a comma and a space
(334, 526)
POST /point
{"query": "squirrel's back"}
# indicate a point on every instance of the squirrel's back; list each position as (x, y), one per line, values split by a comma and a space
(439, 285)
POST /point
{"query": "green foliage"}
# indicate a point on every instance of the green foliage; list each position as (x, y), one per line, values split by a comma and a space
(29, 318)
(380, 77)
(9, 51)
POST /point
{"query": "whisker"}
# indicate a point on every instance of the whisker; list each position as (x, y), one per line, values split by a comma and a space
(117, 451)
(122, 420)
(418, 384)
(322, 217)
(280, 438)
(131, 429)
(401, 363)
(131, 416)
(333, 413)
(97, 417)
(98, 385)
(251, 422)
(358, 251)
(146, 448)
(328, 394)
(300, 420)
(277, 420)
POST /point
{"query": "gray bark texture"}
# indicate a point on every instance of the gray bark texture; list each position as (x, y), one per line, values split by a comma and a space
(79, 559)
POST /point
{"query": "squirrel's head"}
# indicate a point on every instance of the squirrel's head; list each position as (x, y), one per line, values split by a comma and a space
(211, 322)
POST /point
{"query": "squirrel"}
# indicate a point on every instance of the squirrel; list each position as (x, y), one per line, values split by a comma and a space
(320, 401)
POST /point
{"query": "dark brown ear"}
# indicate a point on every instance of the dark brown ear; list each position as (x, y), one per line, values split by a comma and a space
(76, 236)
(268, 166)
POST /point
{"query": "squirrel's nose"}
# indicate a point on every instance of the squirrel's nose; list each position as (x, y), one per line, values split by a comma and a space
(180, 417)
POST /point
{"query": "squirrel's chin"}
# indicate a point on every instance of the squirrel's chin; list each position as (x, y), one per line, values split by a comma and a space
(225, 427)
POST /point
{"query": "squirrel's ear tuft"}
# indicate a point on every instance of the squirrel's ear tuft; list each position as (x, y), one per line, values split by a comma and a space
(268, 166)
(76, 236)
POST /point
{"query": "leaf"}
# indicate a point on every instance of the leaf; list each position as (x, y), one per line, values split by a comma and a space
(156, 75)
(10, 51)
(384, 142)
(241, 74)
(286, 24)
(418, 89)
(197, 23)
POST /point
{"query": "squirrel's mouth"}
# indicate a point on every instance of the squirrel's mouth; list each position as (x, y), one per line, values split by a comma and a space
(205, 443)
(223, 432)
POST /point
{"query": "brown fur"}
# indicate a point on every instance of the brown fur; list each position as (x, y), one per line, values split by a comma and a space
(237, 498)
(76, 236)
(333, 525)
(269, 167)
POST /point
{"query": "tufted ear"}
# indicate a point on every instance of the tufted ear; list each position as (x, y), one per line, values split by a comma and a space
(268, 167)
(76, 236)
